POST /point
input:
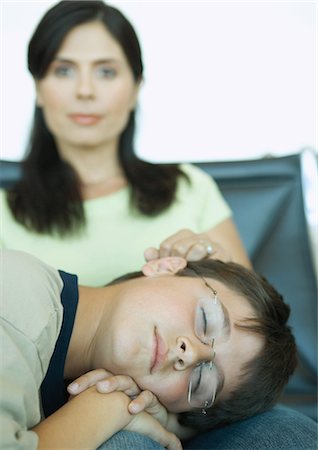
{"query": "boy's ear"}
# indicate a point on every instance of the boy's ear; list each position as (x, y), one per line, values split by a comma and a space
(164, 266)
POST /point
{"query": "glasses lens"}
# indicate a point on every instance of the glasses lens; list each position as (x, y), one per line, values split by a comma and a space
(209, 319)
(203, 385)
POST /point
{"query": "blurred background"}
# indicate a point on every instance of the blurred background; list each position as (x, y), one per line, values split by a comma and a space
(223, 80)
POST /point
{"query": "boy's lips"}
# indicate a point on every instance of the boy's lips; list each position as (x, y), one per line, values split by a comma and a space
(85, 119)
(159, 352)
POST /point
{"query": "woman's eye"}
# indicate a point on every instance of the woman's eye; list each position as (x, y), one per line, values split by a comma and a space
(106, 72)
(63, 71)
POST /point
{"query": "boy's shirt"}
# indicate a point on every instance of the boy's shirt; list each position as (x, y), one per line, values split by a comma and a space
(53, 388)
(31, 318)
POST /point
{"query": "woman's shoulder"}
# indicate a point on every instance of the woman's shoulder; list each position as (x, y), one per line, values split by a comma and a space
(5, 211)
(3, 200)
(195, 173)
(197, 179)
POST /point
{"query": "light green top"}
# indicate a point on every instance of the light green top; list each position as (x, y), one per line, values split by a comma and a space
(115, 238)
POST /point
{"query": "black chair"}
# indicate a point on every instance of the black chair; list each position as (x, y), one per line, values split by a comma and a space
(266, 198)
(268, 208)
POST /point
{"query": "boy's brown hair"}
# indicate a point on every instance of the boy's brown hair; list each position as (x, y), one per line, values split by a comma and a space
(264, 377)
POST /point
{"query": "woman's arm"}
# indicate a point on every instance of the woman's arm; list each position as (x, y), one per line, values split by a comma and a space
(227, 236)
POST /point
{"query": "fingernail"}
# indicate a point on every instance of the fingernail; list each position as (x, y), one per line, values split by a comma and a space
(103, 386)
(134, 407)
(73, 387)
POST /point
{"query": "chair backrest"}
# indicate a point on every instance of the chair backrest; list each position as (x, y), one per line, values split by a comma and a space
(268, 208)
(266, 198)
(10, 172)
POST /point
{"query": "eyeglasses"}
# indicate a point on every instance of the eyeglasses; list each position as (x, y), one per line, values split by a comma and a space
(208, 324)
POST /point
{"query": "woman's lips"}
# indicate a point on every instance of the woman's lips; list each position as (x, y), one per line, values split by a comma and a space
(85, 119)
(159, 353)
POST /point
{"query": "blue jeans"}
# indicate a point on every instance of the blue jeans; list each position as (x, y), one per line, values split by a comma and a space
(279, 428)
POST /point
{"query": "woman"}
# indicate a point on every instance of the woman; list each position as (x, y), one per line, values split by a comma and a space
(86, 203)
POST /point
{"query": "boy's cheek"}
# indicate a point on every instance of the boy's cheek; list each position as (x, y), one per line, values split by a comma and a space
(172, 395)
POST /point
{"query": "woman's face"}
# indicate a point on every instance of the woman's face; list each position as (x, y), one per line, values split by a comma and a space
(89, 90)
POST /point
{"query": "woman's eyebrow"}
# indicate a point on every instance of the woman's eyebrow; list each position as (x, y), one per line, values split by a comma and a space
(62, 60)
(67, 60)
(105, 61)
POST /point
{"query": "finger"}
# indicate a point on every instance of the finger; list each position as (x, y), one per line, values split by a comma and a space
(220, 253)
(200, 250)
(151, 253)
(173, 246)
(87, 380)
(171, 442)
(155, 431)
(146, 400)
(193, 248)
(174, 442)
(118, 383)
(165, 438)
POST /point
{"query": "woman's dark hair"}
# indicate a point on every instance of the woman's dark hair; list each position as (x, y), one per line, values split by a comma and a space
(264, 377)
(48, 197)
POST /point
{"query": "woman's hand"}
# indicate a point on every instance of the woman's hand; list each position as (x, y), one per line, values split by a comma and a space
(191, 246)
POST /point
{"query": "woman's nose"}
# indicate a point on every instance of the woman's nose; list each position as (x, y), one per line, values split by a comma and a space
(85, 86)
(191, 352)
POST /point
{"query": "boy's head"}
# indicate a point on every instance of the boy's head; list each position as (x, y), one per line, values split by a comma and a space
(264, 377)
(228, 315)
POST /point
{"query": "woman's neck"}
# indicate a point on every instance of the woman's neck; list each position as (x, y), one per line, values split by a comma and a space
(98, 169)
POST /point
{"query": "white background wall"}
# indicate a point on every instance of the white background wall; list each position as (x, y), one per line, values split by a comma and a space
(223, 80)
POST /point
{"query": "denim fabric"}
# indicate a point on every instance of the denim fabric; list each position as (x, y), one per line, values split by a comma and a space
(280, 428)
(128, 440)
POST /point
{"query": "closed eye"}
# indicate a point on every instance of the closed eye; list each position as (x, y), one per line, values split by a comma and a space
(196, 377)
(201, 324)
(204, 321)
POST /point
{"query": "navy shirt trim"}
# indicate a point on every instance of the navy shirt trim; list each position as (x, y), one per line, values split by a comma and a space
(53, 389)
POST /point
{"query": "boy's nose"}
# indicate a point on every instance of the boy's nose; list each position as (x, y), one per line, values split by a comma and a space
(192, 352)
